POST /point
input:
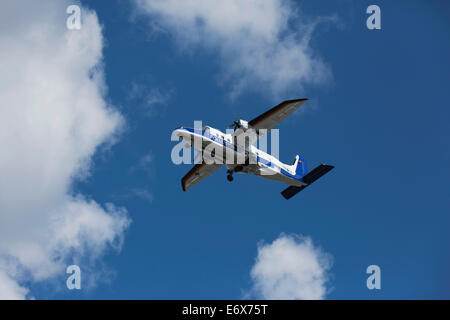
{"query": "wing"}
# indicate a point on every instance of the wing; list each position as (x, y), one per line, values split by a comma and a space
(274, 116)
(198, 173)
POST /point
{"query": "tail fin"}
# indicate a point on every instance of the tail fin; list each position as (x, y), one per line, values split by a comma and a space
(294, 165)
(299, 163)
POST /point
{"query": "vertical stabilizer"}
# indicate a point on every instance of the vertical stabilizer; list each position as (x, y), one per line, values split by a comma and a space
(299, 166)
(294, 165)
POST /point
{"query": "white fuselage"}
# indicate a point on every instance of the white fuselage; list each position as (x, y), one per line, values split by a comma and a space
(237, 157)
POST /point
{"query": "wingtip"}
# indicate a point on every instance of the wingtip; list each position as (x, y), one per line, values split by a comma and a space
(302, 100)
(297, 100)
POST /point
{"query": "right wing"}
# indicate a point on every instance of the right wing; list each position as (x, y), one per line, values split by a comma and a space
(197, 173)
(271, 118)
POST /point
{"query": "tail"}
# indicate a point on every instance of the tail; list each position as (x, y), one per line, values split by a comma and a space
(308, 179)
(302, 168)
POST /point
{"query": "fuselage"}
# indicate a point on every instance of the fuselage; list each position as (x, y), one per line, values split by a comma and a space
(238, 157)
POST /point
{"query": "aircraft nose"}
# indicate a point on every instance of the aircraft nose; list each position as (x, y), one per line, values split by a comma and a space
(181, 132)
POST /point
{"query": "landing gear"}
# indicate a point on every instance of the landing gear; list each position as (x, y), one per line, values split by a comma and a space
(230, 175)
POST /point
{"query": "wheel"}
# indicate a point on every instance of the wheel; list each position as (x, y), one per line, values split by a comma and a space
(230, 177)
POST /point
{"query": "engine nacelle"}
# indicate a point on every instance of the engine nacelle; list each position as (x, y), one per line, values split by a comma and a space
(243, 124)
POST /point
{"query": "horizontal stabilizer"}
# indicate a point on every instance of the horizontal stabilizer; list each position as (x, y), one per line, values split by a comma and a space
(292, 191)
(308, 178)
(316, 173)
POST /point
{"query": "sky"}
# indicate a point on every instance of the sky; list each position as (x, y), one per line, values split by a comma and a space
(86, 118)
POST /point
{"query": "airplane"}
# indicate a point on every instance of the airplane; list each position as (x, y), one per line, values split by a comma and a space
(217, 148)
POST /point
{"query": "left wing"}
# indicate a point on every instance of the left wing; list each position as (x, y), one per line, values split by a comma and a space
(270, 119)
(198, 173)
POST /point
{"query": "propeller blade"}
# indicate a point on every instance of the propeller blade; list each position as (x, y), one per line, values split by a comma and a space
(234, 125)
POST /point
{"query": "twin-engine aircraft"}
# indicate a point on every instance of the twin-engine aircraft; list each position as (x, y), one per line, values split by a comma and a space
(237, 152)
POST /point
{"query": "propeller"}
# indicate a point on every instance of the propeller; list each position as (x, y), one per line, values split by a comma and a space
(235, 125)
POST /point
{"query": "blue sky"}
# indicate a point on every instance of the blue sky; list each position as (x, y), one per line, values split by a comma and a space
(380, 117)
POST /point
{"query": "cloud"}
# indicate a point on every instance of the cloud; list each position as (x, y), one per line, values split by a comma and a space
(9, 289)
(144, 164)
(53, 118)
(291, 267)
(144, 194)
(153, 101)
(145, 161)
(261, 45)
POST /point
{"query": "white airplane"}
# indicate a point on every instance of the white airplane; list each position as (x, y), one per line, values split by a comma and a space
(238, 153)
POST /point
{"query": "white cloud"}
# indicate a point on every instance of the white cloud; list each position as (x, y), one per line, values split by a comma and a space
(156, 99)
(260, 45)
(291, 267)
(53, 118)
(144, 194)
(10, 289)
(153, 101)
(145, 164)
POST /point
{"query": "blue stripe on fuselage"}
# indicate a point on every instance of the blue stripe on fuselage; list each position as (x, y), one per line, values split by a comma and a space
(234, 147)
